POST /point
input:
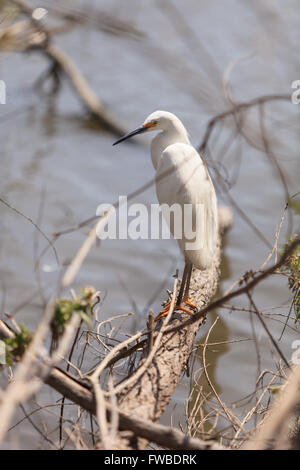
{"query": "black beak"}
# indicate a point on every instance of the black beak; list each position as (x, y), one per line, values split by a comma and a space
(139, 130)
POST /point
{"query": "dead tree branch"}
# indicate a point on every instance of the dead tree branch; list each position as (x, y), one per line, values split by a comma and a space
(34, 35)
(149, 395)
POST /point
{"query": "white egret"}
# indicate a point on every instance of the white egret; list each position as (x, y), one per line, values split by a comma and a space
(182, 178)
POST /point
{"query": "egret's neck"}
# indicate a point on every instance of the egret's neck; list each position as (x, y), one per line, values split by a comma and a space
(174, 134)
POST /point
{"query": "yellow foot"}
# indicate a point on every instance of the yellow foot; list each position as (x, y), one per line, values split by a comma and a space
(189, 302)
(165, 310)
(184, 309)
(161, 315)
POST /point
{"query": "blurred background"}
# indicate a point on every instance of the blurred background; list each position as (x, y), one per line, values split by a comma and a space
(197, 59)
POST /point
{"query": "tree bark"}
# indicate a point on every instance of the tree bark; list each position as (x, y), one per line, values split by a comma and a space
(149, 397)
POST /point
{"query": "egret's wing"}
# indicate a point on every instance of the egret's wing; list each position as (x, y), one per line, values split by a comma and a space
(182, 178)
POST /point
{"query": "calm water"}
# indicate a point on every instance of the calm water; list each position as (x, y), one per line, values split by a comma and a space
(57, 166)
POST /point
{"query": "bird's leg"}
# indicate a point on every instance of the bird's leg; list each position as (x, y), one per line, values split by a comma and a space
(166, 306)
(183, 294)
(183, 282)
(186, 299)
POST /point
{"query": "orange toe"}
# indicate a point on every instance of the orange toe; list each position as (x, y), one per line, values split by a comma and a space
(165, 310)
(190, 302)
(184, 309)
(162, 314)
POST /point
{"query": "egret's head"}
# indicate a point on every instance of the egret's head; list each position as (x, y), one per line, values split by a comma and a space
(160, 120)
(157, 121)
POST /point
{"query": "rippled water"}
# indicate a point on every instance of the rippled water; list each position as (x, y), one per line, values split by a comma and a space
(57, 166)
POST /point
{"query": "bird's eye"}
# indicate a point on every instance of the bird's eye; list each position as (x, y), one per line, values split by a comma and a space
(150, 124)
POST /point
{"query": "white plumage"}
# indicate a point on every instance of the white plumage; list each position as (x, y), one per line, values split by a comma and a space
(182, 178)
